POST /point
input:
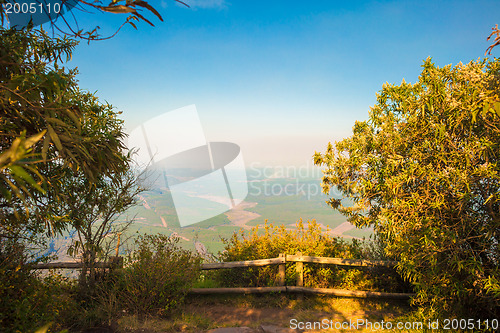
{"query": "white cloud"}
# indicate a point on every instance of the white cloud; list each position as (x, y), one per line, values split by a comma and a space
(206, 3)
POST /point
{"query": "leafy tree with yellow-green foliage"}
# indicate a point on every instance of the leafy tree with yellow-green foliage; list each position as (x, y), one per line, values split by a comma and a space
(63, 165)
(49, 129)
(424, 171)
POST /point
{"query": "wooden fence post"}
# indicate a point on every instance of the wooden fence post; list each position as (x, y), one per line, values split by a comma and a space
(118, 245)
(281, 271)
(116, 262)
(299, 268)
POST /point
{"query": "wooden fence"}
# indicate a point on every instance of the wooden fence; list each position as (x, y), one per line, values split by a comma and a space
(299, 259)
(112, 263)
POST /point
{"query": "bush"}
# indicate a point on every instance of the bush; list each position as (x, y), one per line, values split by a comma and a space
(270, 241)
(28, 302)
(158, 276)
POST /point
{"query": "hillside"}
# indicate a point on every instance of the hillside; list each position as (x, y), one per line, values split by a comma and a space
(279, 200)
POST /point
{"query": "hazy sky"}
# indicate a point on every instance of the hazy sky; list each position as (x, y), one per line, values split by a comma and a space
(279, 78)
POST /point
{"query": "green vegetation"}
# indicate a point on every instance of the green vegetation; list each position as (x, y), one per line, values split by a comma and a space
(159, 275)
(311, 241)
(154, 282)
(51, 132)
(63, 165)
(424, 172)
(27, 301)
(94, 209)
(149, 292)
(286, 209)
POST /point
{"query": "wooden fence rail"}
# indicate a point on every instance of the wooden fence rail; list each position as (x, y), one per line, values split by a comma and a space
(113, 262)
(246, 263)
(299, 259)
(340, 261)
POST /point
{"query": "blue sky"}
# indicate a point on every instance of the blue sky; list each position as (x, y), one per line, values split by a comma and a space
(279, 78)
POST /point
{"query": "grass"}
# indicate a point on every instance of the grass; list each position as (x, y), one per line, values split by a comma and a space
(181, 323)
(288, 209)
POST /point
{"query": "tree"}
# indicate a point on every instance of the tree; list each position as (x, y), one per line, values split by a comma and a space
(36, 103)
(50, 129)
(67, 25)
(52, 135)
(496, 41)
(63, 163)
(94, 209)
(424, 171)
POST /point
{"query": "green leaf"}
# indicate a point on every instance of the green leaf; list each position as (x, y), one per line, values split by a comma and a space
(45, 148)
(34, 139)
(73, 117)
(55, 138)
(12, 153)
(56, 121)
(21, 173)
(44, 328)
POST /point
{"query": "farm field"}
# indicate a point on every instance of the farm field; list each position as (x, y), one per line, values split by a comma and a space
(277, 201)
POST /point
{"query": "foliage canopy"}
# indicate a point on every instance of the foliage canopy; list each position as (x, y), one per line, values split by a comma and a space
(310, 240)
(63, 165)
(50, 131)
(424, 171)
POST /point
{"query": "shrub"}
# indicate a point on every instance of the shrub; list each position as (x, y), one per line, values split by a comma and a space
(28, 302)
(270, 241)
(158, 276)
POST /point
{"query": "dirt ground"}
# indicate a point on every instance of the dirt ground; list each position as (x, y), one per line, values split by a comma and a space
(205, 314)
(229, 316)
